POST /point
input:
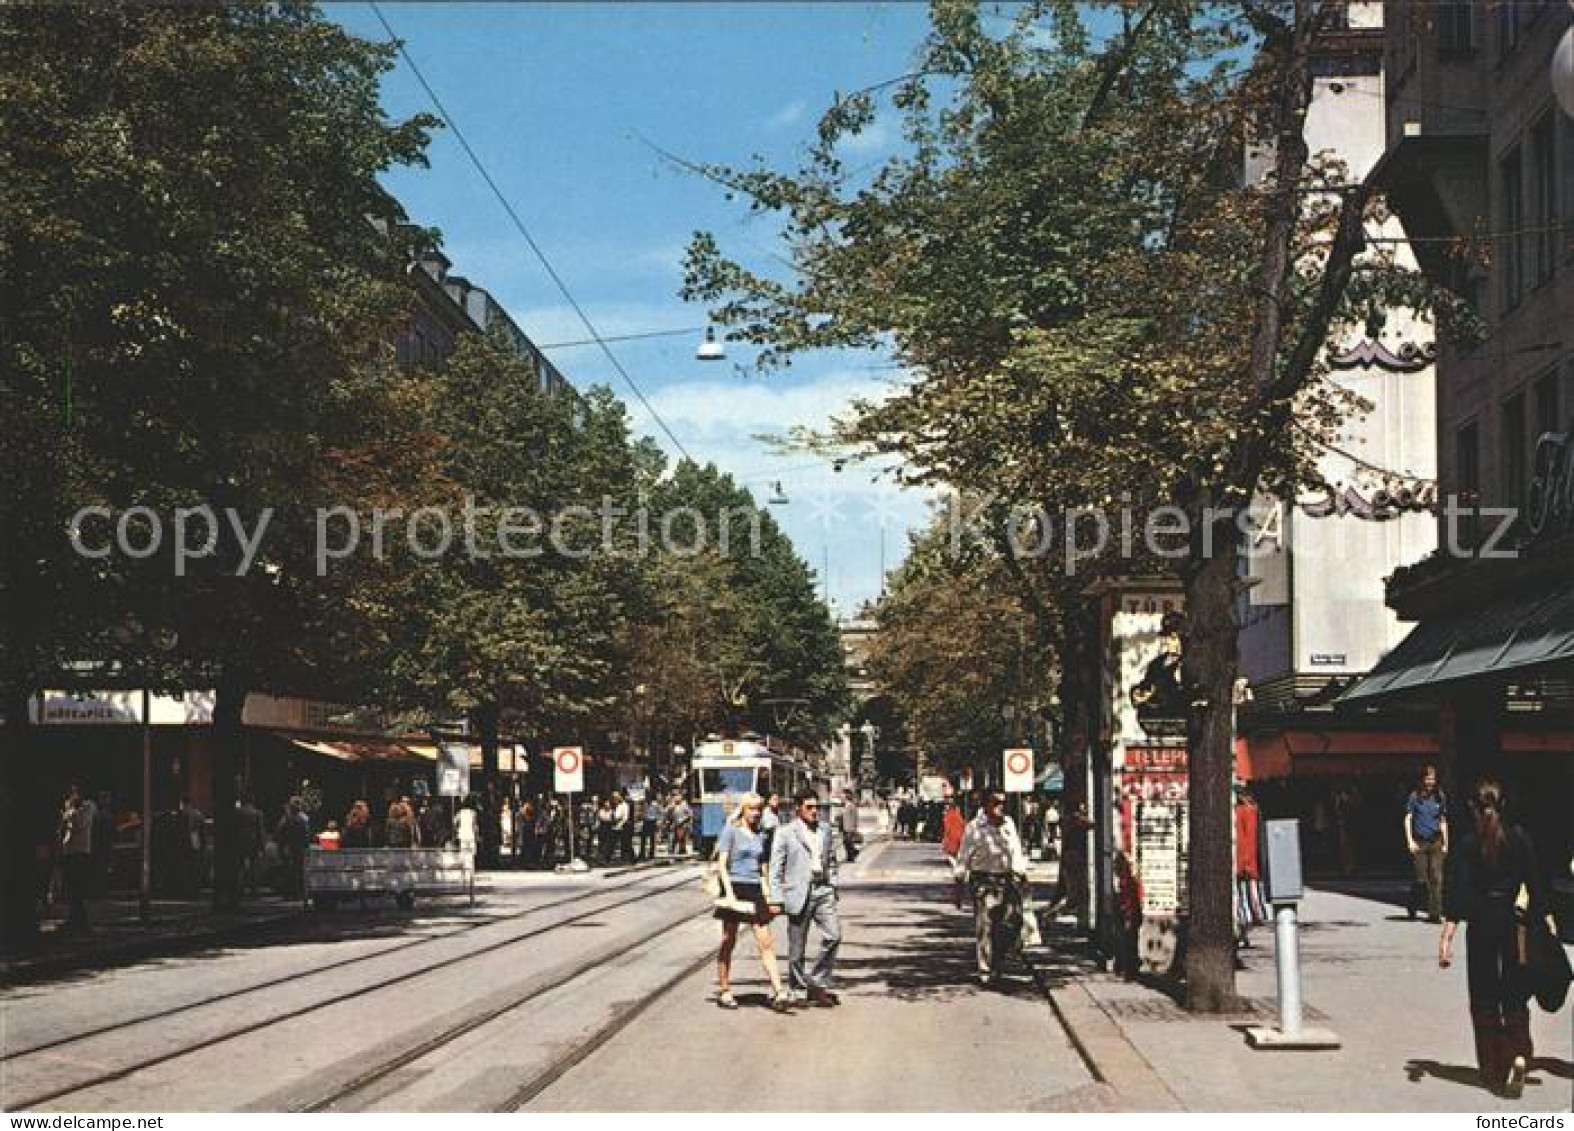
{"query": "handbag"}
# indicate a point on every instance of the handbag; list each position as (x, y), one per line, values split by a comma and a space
(1546, 964)
(710, 876)
(1031, 936)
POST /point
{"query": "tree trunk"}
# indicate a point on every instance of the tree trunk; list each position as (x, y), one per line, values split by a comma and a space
(19, 634)
(487, 722)
(1077, 667)
(18, 875)
(1211, 665)
(228, 704)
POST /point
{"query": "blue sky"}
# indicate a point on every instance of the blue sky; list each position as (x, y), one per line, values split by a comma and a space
(562, 102)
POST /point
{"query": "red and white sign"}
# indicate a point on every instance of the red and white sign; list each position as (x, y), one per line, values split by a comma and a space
(1019, 770)
(568, 764)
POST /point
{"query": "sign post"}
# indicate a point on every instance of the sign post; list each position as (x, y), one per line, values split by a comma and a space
(1281, 855)
(1018, 765)
(568, 776)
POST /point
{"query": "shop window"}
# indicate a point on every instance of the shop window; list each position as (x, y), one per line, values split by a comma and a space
(1467, 476)
(1511, 236)
(1515, 451)
(1544, 200)
(1549, 415)
(1455, 27)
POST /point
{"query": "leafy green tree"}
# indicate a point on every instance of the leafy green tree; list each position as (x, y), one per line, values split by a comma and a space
(512, 620)
(1094, 309)
(754, 647)
(199, 302)
(955, 654)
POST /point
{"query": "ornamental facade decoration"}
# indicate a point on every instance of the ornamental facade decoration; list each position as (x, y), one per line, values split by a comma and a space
(1411, 357)
(1549, 507)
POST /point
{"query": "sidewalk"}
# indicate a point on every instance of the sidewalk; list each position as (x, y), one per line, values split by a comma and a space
(181, 925)
(1367, 973)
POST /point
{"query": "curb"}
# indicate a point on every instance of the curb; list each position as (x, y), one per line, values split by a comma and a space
(26, 970)
(1110, 1057)
(648, 866)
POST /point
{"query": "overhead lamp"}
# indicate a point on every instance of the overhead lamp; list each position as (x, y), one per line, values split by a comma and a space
(711, 350)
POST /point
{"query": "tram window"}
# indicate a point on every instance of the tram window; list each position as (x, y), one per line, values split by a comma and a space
(736, 781)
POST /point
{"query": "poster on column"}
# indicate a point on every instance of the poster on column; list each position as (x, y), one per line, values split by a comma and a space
(1148, 709)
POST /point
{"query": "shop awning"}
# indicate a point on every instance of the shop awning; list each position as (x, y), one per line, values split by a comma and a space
(369, 750)
(1497, 638)
(427, 751)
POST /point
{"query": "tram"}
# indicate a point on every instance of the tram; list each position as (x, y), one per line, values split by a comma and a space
(724, 769)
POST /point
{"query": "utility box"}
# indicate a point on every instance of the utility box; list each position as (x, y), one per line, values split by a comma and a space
(1281, 858)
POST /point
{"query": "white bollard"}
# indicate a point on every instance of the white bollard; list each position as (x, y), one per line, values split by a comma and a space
(1287, 964)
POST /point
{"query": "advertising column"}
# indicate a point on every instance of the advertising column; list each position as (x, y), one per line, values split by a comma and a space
(1145, 732)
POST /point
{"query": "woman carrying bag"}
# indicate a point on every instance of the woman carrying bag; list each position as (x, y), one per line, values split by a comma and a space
(1494, 869)
(742, 864)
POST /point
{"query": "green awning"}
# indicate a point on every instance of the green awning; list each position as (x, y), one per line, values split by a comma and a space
(1505, 637)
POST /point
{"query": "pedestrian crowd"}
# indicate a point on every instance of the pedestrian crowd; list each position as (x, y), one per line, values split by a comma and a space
(93, 847)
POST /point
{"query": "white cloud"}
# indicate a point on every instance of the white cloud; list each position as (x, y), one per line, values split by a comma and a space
(747, 406)
(788, 115)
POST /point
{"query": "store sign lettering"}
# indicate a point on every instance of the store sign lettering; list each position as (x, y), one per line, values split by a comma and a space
(1549, 503)
(1380, 505)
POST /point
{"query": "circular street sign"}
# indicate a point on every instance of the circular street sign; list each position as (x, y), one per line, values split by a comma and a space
(1019, 762)
(568, 761)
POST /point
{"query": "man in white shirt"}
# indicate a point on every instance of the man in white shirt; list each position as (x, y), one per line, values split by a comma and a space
(993, 864)
(76, 854)
(623, 827)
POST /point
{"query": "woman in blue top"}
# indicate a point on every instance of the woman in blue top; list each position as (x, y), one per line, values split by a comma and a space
(741, 860)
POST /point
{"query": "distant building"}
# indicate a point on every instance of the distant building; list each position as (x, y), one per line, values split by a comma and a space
(447, 306)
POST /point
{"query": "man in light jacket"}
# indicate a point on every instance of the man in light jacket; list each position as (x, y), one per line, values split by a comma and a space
(803, 878)
(991, 861)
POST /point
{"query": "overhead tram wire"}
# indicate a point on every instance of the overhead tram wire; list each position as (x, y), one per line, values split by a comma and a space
(579, 311)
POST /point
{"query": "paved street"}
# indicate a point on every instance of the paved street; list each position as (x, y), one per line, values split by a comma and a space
(591, 993)
(596, 993)
(913, 1032)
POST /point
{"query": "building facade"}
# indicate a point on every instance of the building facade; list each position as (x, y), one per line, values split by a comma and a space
(1479, 168)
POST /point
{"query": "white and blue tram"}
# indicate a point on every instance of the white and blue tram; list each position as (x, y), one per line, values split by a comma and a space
(724, 769)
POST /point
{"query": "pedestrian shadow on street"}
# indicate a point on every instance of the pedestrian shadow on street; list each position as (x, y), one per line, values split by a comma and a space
(1540, 1068)
(933, 960)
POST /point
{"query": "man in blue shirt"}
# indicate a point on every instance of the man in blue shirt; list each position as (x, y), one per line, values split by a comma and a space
(1426, 834)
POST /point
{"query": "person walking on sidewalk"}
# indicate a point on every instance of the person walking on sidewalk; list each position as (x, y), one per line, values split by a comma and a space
(76, 854)
(952, 829)
(467, 827)
(1249, 908)
(250, 840)
(292, 835)
(649, 826)
(744, 871)
(992, 863)
(1426, 834)
(680, 819)
(1494, 869)
(623, 828)
(803, 876)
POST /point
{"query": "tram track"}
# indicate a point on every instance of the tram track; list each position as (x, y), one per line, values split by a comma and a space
(7, 1054)
(472, 1024)
(141, 1065)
